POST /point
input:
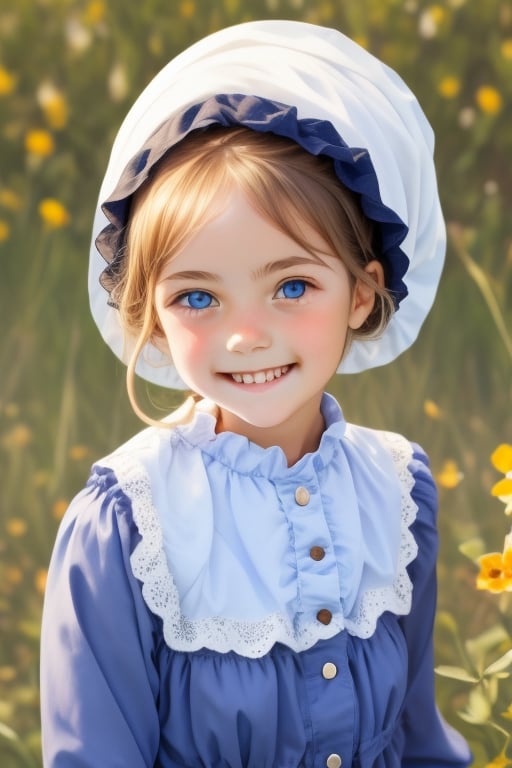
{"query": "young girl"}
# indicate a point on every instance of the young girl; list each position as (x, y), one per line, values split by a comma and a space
(250, 583)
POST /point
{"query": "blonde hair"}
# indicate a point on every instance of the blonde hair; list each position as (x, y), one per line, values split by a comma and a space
(285, 184)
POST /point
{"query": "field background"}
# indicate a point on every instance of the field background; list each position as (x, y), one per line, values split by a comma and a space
(69, 70)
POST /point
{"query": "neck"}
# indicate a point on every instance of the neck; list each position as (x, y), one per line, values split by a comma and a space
(296, 436)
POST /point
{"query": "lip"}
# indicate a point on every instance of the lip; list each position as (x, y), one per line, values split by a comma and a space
(259, 377)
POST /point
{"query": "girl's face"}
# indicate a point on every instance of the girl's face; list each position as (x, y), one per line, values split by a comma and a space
(256, 323)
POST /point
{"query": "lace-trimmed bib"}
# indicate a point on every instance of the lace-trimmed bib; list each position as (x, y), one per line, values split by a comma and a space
(225, 553)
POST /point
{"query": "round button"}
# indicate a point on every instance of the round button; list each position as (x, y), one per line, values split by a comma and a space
(334, 761)
(329, 670)
(324, 616)
(302, 496)
(317, 553)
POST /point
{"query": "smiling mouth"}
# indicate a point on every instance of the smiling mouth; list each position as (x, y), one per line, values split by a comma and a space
(260, 377)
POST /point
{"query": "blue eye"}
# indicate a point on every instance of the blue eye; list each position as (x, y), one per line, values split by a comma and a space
(292, 289)
(196, 300)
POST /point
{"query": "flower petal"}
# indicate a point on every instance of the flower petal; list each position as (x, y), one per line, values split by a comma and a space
(502, 488)
(502, 458)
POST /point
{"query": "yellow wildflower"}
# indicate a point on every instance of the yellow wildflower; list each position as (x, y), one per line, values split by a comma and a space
(502, 461)
(5, 231)
(16, 527)
(500, 761)
(507, 714)
(10, 200)
(449, 87)
(187, 9)
(450, 475)
(7, 82)
(18, 437)
(39, 143)
(53, 213)
(496, 569)
(59, 508)
(432, 410)
(437, 13)
(506, 48)
(40, 580)
(78, 452)
(54, 105)
(489, 99)
(95, 12)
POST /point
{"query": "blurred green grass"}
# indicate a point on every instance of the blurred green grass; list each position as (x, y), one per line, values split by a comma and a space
(71, 69)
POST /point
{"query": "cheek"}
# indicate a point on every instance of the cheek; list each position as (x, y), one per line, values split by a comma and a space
(187, 345)
(321, 329)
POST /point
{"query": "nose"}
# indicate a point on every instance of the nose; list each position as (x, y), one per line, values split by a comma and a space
(248, 339)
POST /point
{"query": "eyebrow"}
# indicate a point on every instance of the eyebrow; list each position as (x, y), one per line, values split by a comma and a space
(291, 261)
(192, 274)
(267, 269)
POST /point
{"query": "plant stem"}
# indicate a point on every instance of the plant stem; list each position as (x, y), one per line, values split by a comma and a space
(481, 280)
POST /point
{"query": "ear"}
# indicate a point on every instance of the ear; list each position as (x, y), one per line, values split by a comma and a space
(363, 295)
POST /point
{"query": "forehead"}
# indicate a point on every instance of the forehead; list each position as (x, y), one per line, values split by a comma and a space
(237, 236)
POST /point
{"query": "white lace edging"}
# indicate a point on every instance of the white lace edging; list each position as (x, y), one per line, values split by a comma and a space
(149, 565)
(254, 638)
(397, 597)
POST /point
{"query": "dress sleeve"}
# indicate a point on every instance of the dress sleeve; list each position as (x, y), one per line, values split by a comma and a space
(99, 681)
(429, 742)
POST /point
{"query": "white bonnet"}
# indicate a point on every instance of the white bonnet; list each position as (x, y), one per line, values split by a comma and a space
(312, 84)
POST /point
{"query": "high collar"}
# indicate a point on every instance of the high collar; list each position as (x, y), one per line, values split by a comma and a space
(246, 457)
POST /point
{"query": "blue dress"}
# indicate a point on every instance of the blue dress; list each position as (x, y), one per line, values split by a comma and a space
(209, 606)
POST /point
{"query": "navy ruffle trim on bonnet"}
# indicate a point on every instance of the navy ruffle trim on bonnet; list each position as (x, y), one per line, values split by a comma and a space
(353, 167)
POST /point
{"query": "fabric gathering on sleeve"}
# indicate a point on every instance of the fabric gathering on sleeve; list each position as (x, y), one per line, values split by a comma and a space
(229, 613)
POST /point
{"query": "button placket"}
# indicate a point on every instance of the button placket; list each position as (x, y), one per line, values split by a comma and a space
(330, 701)
(329, 690)
(317, 573)
(317, 553)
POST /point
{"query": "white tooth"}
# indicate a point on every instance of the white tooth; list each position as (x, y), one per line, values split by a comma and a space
(237, 377)
(277, 372)
(269, 376)
(260, 377)
(247, 378)
(285, 369)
